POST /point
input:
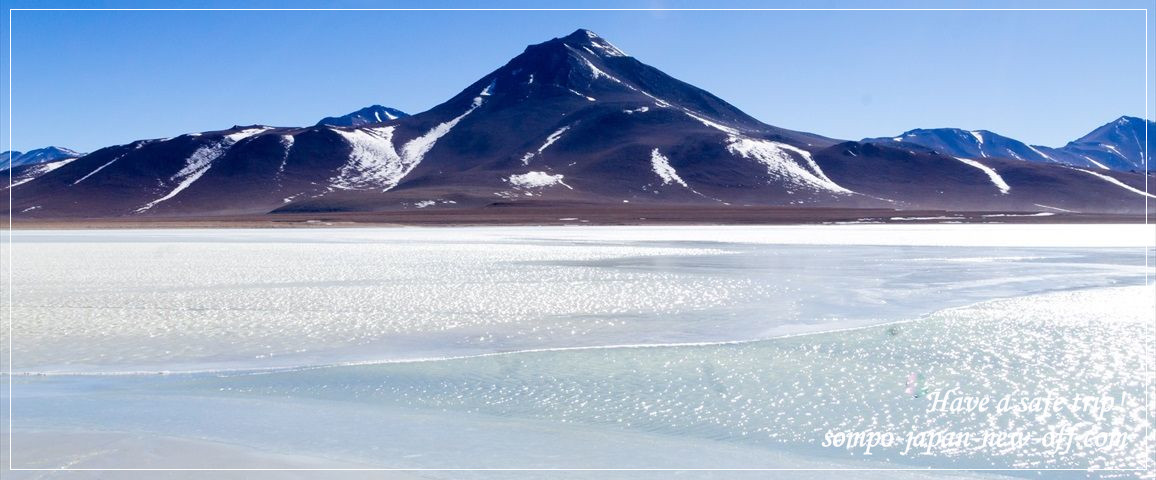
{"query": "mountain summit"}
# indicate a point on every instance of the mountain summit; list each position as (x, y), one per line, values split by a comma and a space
(365, 116)
(572, 120)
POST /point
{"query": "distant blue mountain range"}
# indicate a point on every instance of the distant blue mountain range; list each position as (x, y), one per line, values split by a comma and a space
(35, 157)
(1118, 145)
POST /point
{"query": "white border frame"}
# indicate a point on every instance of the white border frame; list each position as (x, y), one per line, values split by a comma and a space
(1148, 457)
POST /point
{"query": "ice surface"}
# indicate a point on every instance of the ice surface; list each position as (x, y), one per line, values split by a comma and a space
(265, 298)
(580, 347)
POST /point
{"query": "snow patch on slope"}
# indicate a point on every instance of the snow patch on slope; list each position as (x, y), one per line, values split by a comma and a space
(996, 179)
(537, 180)
(779, 163)
(373, 162)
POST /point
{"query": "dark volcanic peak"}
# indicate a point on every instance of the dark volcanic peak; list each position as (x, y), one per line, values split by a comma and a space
(365, 116)
(583, 67)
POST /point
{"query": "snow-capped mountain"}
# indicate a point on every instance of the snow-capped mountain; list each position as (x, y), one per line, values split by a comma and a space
(33, 157)
(573, 120)
(365, 116)
(1118, 145)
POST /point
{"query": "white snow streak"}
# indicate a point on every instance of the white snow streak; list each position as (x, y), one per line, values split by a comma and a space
(287, 143)
(553, 138)
(1118, 183)
(979, 138)
(991, 174)
(662, 167)
(1042, 154)
(712, 124)
(1098, 164)
(1117, 152)
(575, 92)
(110, 162)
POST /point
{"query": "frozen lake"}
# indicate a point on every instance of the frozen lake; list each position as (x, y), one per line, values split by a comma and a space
(593, 347)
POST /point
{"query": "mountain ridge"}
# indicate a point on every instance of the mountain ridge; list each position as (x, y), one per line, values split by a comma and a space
(1117, 145)
(572, 120)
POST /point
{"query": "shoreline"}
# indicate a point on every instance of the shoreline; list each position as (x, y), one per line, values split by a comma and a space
(578, 216)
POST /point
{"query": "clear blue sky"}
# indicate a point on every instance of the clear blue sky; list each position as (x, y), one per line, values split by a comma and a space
(87, 79)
